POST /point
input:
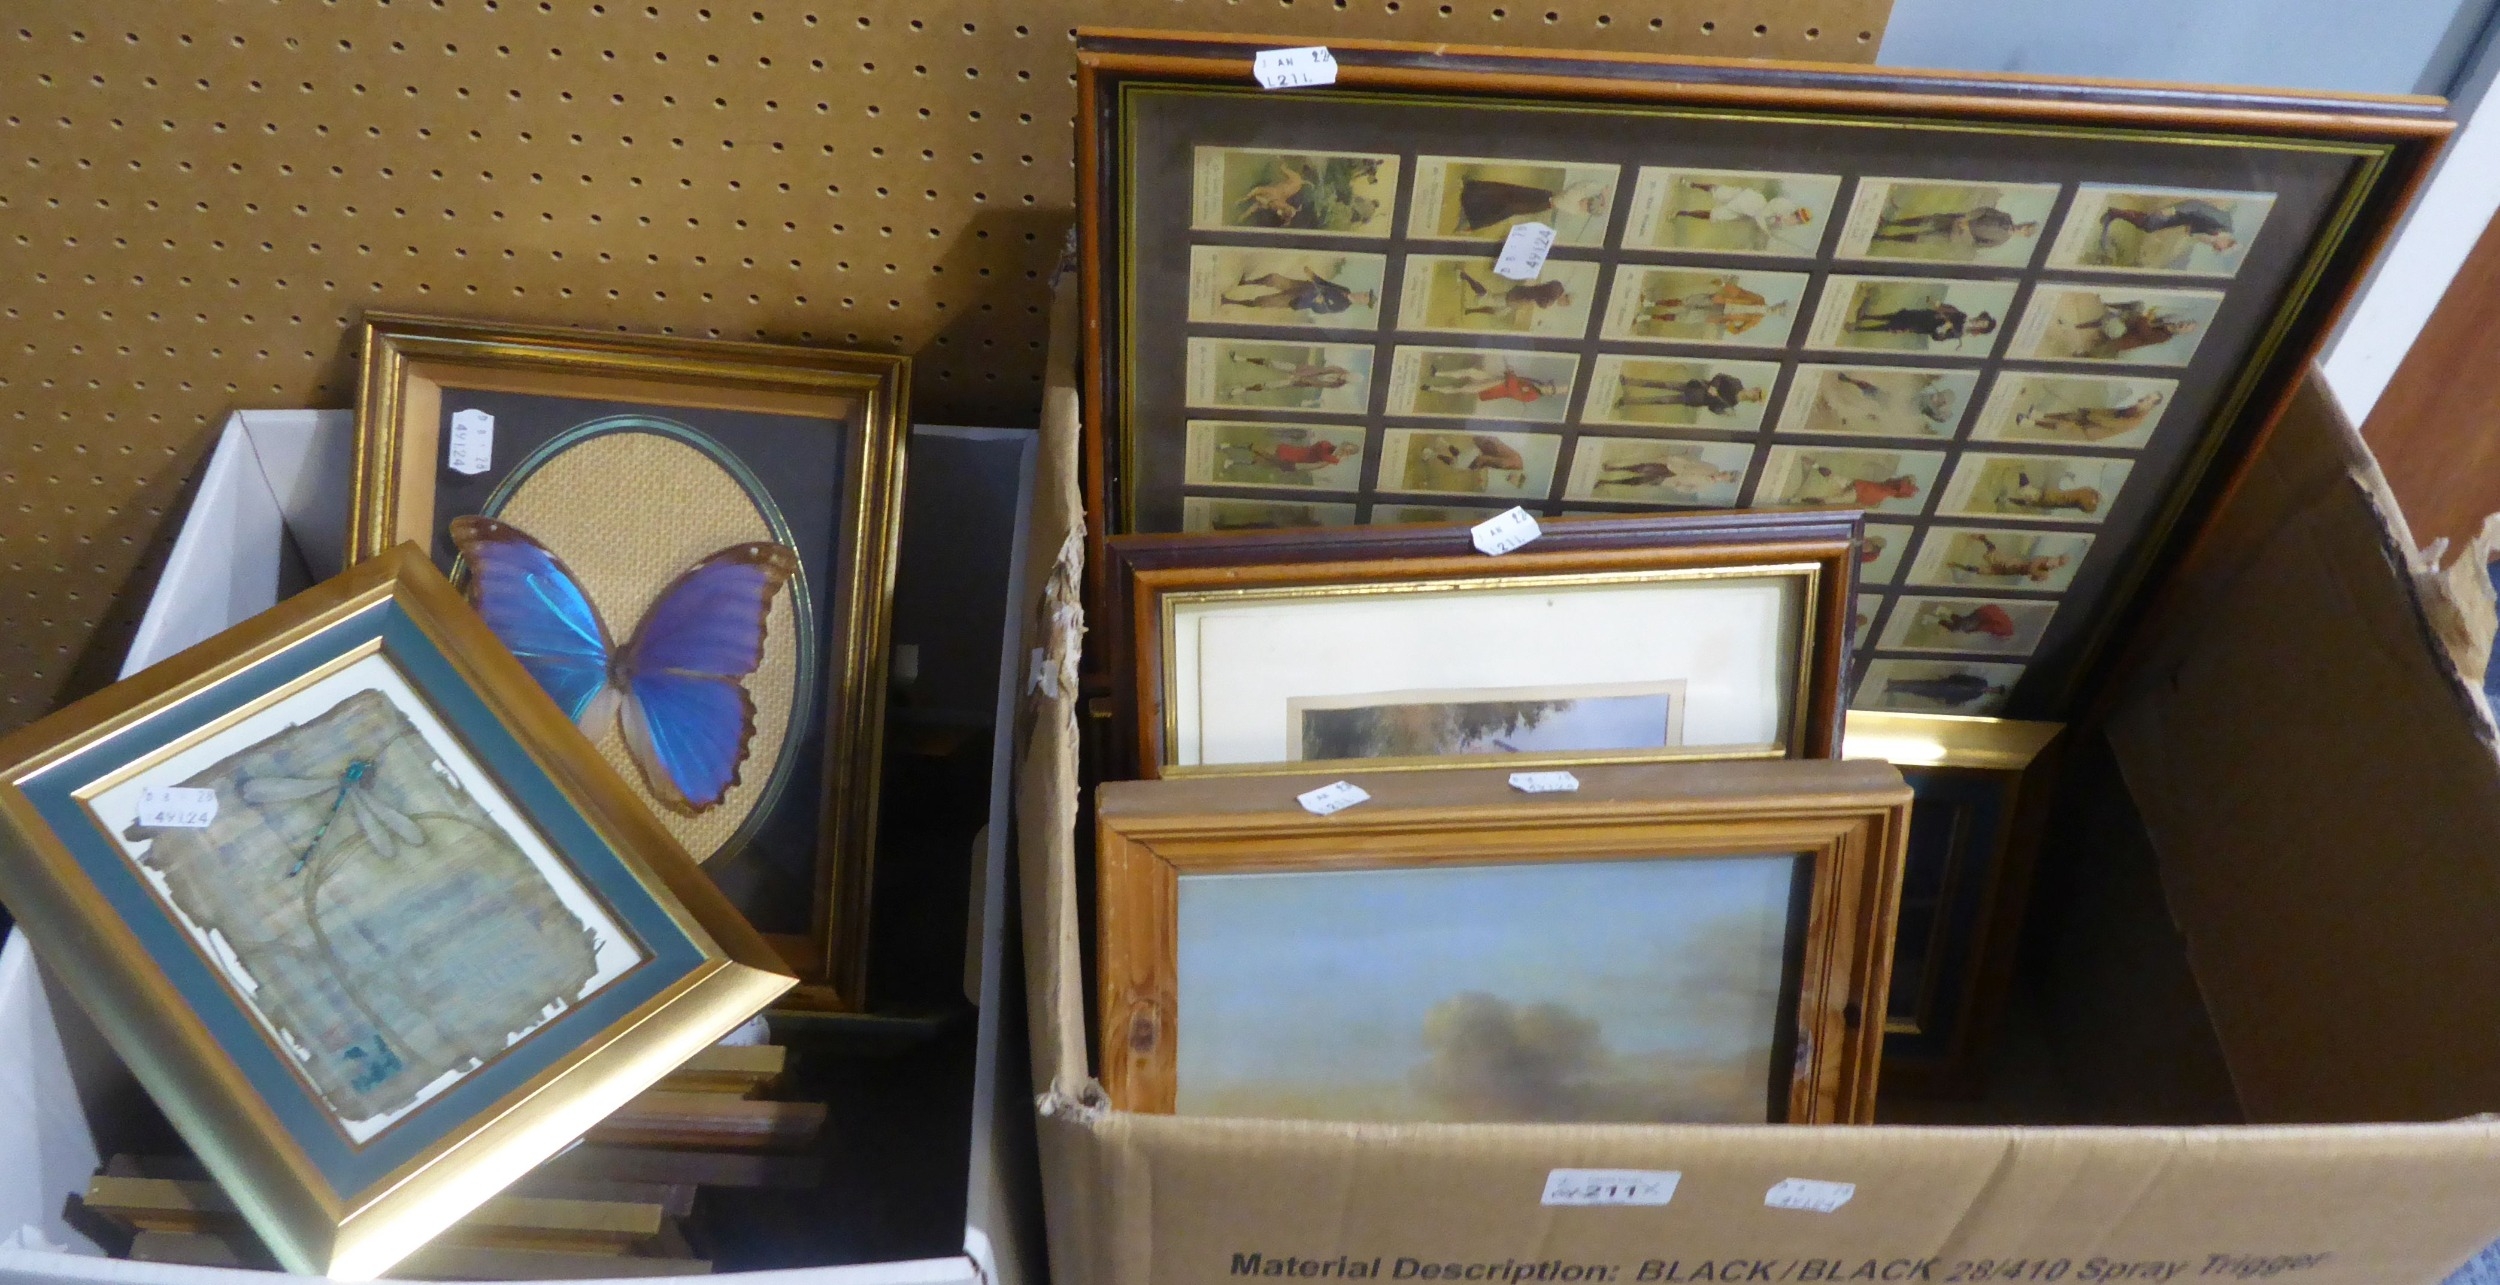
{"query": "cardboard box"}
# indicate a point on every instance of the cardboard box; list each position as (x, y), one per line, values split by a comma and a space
(269, 516)
(2318, 798)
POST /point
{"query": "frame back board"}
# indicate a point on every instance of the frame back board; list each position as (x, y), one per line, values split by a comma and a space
(606, 447)
(1847, 821)
(2033, 327)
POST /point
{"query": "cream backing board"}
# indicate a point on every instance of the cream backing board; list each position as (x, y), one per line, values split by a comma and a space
(1723, 637)
(203, 199)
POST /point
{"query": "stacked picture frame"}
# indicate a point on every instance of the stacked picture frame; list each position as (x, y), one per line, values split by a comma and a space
(2031, 328)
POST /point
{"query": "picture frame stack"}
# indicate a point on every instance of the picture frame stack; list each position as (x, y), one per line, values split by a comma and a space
(2027, 333)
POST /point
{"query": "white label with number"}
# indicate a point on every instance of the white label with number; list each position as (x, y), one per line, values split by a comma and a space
(1809, 1193)
(177, 807)
(1294, 68)
(1544, 782)
(1504, 532)
(472, 448)
(1329, 800)
(1611, 1186)
(1524, 251)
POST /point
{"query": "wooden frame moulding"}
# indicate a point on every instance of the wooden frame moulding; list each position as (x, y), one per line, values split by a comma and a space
(1148, 573)
(1848, 819)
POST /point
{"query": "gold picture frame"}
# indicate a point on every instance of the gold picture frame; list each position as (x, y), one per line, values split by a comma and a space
(1980, 791)
(1830, 916)
(803, 446)
(471, 823)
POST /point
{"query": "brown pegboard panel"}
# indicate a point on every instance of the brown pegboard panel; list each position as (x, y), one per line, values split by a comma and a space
(201, 198)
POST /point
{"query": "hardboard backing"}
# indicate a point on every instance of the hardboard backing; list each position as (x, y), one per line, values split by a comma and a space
(203, 199)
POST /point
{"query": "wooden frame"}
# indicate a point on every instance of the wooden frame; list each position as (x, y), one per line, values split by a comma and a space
(1849, 819)
(1150, 575)
(1981, 790)
(2336, 170)
(249, 1075)
(745, 408)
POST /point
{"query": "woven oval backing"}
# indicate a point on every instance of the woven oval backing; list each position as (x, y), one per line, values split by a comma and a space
(685, 507)
(200, 200)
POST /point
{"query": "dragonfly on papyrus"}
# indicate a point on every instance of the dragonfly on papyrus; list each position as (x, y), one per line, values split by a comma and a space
(352, 795)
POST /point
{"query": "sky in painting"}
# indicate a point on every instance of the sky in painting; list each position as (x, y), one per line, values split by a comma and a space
(1630, 989)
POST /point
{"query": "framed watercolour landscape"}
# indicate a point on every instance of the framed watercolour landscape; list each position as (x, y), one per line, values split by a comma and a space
(691, 545)
(375, 928)
(1606, 639)
(1967, 304)
(1698, 946)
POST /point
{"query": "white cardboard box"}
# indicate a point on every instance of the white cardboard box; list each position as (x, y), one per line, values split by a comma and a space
(271, 511)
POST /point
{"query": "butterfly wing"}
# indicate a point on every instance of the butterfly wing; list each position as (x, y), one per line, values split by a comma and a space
(687, 716)
(538, 609)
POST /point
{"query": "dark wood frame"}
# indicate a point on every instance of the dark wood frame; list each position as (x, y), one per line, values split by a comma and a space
(1850, 818)
(2406, 131)
(1143, 569)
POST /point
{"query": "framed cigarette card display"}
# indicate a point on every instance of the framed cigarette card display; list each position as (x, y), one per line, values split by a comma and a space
(1605, 639)
(1980, 787)
(691, 545)
(375, 928)
(2031, 327)
(1703, 945)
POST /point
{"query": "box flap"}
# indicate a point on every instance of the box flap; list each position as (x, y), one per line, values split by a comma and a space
(2315, 776)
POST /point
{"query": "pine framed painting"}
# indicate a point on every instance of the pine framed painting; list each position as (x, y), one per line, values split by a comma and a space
(372, 925)
(691, 544)
(2035, 327)
(1709, 945)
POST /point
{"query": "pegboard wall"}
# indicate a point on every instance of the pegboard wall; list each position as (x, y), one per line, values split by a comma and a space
(198, 200)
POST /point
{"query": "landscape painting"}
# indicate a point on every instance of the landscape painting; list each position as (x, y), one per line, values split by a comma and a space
(1629, 990)
(1546, 720)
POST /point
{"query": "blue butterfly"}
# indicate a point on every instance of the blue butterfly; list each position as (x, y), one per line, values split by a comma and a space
(679, 684)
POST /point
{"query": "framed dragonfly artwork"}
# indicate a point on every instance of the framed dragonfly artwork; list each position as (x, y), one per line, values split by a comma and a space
(690, 545)
(363, 914)
(2032, 328)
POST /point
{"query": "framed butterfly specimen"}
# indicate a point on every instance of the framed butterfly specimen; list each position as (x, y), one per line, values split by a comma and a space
(690, 545)
(368, 920)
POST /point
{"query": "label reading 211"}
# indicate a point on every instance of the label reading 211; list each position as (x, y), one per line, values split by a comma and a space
(1294, 68)
(1611, 1186)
